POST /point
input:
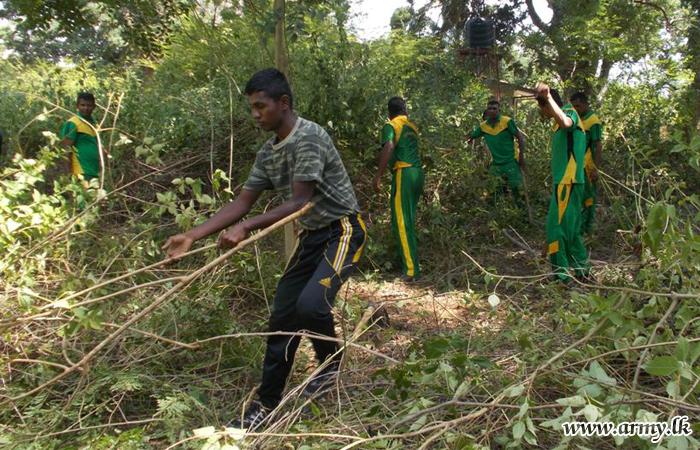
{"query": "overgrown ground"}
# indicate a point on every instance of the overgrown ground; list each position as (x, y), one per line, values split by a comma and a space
(482, 352)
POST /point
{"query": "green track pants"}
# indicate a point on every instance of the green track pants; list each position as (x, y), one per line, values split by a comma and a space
(590, 200)
(406, 189)
(566, 249)
(508, 174)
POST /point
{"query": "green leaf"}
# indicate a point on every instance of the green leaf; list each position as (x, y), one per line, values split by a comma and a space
(514, 391)
(591, 413)
(682, 349)
(597, 372)
(576, 400)
(656, 223)
(662, 366)
(673, 390)
(519, 430)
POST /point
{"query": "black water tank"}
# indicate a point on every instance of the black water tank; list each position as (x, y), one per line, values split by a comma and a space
(480, 33)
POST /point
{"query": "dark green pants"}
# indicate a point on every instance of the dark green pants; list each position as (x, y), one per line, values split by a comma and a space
(406, 189)
(322, 262)
(511, 175)
(567, 253)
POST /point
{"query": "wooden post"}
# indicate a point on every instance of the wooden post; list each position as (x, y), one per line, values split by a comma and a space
(283, 66)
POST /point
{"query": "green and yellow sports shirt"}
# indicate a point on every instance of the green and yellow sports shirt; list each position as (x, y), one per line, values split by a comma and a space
(499, 135)
(86, 158)
(568, 150)
(594, 133)
(404, 135)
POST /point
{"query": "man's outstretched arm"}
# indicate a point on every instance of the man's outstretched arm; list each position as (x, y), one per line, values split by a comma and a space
(302, 193)
(227, 216)
(384, 158)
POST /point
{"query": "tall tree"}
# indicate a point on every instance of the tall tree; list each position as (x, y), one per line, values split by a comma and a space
(99, 29)
(693, 63)
(584, 40)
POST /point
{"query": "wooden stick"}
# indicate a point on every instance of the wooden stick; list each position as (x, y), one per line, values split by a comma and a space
(160, 301)
(519, 244)
(527, 197)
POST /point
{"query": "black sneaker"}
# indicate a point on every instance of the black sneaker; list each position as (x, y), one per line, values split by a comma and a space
(322, 382)
(252, 418)
(406, 279)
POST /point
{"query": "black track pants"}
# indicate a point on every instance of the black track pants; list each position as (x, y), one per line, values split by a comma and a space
(322, 261)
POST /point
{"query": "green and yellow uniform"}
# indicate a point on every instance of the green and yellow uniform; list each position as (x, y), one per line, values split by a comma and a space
(565, 246)
(406, 188)
(85, 160)
(594, 133)
(499, 135)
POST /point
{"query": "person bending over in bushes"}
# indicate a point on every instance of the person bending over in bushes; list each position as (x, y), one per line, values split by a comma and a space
(301, 163)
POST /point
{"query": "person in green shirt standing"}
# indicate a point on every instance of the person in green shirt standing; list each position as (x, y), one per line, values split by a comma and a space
(79, 136)
(400, 152)
(567, 253)
(594, 158)
(506, 162)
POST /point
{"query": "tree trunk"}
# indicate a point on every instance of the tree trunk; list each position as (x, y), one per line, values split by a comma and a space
(693, 58)
(282, 64)
(280, 49)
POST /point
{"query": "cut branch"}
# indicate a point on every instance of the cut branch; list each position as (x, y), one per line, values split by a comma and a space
(159, 302)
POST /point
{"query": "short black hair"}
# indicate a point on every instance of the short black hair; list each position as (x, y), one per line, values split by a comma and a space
(397, 105)
(272, 82)
(555, 95)
(579, 96)
(87, 96)
(494, 102)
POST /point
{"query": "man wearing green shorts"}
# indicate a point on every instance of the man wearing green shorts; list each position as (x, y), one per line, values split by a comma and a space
(565, 246)
(400, 152)
(80, 138)
(594, 158)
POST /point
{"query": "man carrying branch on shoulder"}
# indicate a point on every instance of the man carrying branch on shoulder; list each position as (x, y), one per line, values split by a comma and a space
(301, 163)
(565, 247)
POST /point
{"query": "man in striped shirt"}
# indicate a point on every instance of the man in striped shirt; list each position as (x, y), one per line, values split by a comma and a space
(301, 164)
